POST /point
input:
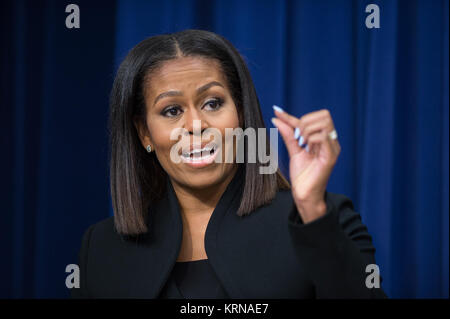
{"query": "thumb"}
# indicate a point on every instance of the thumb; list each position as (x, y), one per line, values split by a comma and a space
(287, 133)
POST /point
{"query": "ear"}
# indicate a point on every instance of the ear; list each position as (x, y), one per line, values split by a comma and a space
(143, 133)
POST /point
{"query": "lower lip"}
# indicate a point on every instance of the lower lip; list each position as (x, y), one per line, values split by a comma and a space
(200, 162)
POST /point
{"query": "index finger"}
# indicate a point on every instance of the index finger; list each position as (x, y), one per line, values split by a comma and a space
(286, 117)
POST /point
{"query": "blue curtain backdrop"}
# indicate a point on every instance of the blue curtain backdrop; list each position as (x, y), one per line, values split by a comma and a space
(386, 88)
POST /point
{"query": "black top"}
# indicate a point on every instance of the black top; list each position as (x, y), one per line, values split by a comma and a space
(193, 280)
(269, 253)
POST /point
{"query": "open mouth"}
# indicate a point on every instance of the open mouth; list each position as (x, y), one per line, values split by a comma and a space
(199, 154)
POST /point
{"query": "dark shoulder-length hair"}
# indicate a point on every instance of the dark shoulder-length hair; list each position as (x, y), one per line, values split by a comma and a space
(136, 177)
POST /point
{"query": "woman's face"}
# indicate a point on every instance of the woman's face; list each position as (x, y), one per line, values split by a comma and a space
(181, 91)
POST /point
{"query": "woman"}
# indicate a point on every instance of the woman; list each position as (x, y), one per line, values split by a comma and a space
(204, 228)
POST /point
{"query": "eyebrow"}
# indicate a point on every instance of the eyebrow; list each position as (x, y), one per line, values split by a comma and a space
(178, 93)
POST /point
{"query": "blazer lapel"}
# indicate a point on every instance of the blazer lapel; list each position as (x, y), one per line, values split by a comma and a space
(165, 237)
(161, 244)
(228, 204)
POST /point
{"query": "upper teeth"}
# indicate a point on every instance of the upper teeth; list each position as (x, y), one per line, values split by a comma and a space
(198, 151)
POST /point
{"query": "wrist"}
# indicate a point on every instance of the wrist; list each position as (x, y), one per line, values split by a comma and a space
(310, 211)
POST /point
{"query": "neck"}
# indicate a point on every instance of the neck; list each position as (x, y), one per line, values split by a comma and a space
(194, 202)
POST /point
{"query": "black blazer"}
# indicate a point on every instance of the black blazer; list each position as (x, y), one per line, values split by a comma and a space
(267, 254)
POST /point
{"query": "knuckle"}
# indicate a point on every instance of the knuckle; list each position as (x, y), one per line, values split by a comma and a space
(330, 122)
(305, 131)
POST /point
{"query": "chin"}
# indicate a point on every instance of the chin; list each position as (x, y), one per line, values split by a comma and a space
(203, 178)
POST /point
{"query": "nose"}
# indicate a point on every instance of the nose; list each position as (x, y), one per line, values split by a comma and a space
(194, 123)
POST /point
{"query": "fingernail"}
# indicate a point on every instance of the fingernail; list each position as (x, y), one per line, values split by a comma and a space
(296, 133)
(278, 109)
(273, 121)
(307, 148)
(300, 141)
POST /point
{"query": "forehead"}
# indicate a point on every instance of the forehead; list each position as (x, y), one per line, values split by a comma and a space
(184, 73)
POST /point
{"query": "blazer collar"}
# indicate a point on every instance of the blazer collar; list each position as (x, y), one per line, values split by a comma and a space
(168, 245)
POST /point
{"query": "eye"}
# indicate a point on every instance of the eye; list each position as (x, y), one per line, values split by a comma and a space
(214, 104)
(172, 111)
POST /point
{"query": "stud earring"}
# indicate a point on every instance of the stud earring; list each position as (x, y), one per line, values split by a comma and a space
(149, 149)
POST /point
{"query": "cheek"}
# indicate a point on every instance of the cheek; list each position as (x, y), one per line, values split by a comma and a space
(160, 136)
(162, 143)
(228, 119)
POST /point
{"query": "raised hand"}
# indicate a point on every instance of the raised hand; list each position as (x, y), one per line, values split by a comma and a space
(310, 167)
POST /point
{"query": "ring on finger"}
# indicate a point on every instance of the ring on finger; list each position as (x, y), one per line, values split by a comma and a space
(333, 135)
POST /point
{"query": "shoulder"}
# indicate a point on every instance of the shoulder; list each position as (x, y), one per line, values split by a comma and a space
(277, 210)
(104, 227)
(283, 206)
(339, 201)
(101, 234)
